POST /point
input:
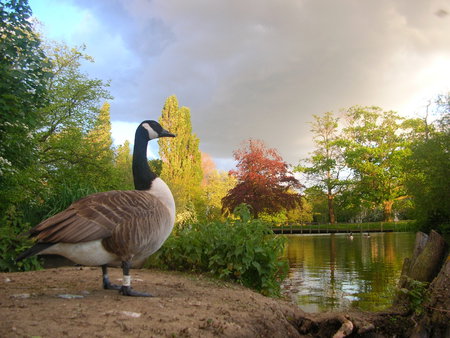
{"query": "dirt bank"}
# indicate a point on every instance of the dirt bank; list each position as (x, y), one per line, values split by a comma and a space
(69, 302)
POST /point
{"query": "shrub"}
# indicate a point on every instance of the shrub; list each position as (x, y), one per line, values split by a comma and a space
(63, 196)
(417, 295)
(244, 251)
(13, 242)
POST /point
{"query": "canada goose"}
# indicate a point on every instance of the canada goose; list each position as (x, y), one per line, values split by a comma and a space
(114, 228)
(351, 235)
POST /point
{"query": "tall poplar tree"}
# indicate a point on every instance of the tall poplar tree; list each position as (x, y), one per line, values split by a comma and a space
(100, 135)
(181, 157)
(99, 142)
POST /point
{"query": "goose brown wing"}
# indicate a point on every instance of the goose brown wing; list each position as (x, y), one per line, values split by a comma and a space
(91, 218)
(147, 226)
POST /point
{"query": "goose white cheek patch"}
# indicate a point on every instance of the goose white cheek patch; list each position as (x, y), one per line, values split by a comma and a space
(126, 280)
(151, 133)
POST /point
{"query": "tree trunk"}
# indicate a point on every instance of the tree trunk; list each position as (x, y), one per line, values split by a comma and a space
(331, 215)
(387, 210)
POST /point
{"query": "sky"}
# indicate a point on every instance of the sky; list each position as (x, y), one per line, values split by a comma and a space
(258, 68)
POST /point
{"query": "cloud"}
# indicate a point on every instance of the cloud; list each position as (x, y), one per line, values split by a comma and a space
(260, 69)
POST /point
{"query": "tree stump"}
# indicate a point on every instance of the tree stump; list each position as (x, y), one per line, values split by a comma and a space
(425, 287)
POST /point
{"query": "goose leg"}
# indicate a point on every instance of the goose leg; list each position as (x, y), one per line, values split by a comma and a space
(107, 285)
(126, 289)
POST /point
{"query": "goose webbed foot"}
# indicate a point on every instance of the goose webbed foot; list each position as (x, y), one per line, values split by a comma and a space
(107, 285)
(126, 288)
(128, 291)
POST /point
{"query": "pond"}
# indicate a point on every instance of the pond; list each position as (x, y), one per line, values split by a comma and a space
(336, 272)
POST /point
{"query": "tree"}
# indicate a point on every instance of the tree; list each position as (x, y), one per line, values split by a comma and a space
(23, 74)
(428, 169)
(215, 186)
(326, 164)
(375, 149)
(123, 164)
(100, 147)
(75, 135)
(156, 166)
(263, 181)
(55, 145)
(73, 97)
(208, 167)
(181, 158)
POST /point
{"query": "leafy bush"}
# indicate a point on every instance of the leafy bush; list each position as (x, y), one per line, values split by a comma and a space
(244, 251)
(417, 294)
(13, 242)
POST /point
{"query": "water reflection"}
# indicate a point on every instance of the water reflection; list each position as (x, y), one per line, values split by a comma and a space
(330, 272)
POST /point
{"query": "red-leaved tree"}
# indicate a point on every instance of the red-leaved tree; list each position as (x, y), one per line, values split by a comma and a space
(264, 181)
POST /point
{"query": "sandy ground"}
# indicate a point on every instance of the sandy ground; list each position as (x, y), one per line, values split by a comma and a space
(69, 302)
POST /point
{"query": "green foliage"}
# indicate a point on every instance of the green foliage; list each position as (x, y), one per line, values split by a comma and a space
(318, 201)
(326, 164)
(65, 195)
(55, 140)
(123, 167)
(13, 242)
(75, 135)
(244, 251)
(186, 216)
(428, 180)
(215, 186)
(23, 74)
(66, 138)
(303, 214)
(376, 146)
(14, 224)
(156, 166)
(417, 294)
(274, 218)
(74, 98)
(299, 215)
(243, 211)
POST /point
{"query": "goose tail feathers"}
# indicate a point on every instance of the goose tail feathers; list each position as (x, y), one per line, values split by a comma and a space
(35, 249)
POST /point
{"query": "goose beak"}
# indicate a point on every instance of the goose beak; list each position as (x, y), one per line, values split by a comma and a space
(165, 133)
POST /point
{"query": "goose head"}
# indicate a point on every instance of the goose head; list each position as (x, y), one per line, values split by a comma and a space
(152, 129)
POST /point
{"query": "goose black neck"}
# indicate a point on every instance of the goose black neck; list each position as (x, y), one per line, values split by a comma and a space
(142, 175)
